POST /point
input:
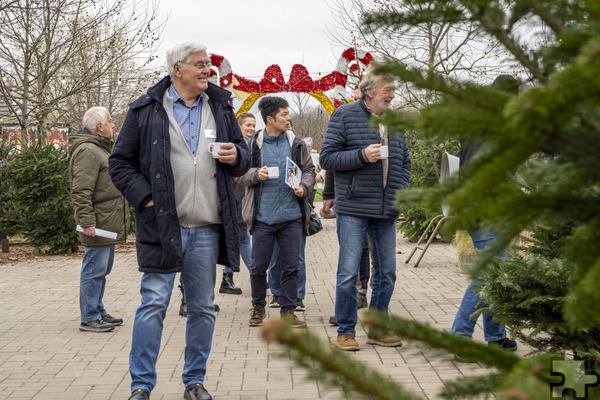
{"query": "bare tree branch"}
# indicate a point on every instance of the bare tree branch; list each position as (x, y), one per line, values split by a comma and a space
(458, 49)
(55, 53)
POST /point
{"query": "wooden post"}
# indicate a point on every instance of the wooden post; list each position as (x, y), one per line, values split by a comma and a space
(5, 245)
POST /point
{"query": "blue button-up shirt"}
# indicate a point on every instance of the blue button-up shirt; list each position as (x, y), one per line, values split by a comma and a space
(188, 118)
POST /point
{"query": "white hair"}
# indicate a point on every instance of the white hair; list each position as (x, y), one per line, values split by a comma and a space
(181, 53)
(93, 116)
(308, 140)
(370, 80)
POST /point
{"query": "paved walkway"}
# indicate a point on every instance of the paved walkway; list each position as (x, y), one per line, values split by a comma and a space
(43, 355)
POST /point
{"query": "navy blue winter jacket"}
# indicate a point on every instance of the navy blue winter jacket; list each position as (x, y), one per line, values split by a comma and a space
(359, 187)
(140, 168)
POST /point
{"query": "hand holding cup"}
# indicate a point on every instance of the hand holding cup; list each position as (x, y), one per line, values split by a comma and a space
(224, 152)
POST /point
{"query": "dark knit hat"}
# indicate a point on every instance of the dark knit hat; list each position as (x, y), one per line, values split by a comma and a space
(507, 83)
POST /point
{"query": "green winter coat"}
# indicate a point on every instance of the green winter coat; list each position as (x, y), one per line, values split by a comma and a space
(96, 201)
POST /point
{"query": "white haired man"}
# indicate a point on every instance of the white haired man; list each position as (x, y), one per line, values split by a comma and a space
(186, 212)
(97, 204)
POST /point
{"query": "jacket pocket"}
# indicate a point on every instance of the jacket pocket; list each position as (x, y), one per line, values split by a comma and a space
(351, 188)
(147, 227)
(110, 215)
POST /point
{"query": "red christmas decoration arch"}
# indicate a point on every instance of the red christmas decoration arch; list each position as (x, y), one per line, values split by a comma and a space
(300, 81)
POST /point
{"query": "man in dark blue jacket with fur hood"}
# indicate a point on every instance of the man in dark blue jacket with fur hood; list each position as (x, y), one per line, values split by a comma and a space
(366, 181)
(185, 207)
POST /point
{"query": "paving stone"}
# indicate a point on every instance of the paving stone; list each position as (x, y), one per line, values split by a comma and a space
(43, 355)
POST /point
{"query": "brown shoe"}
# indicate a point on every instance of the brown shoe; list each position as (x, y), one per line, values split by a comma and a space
(257, 315)
(384, 340)
(347, 342)
(290, 318)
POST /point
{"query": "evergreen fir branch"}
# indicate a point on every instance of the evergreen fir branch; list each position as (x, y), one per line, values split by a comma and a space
(528, 296)
(464, 347)
(347, 372)
(548, 15)
(338, 369)
(464, 388)
(417, 13)
(481, 98)
(492, 19)
(584, 297)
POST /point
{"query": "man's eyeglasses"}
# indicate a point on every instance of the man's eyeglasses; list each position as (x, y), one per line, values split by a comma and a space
(199, 64)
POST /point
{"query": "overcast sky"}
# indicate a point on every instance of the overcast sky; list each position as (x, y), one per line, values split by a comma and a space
(255, 34)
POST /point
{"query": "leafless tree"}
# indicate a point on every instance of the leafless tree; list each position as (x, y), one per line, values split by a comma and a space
(458, 50)
(7, 4)
(309, 118)
(54, 53)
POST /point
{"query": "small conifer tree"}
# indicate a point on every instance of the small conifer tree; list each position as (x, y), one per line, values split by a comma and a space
(39, 198)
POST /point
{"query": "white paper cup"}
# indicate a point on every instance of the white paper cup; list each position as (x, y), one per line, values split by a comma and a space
(384, 152)
(273, 172)
(214, 148)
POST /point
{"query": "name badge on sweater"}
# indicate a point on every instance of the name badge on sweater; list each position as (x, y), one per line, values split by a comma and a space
(210, 133)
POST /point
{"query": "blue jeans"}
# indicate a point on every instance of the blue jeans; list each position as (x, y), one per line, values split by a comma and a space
(287, 235)
(464, 324)
(352, 234)
(200, 251)
(274, 272)
(96, 265)
(245, 252)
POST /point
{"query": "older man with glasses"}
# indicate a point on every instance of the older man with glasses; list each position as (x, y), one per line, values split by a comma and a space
(186, 213)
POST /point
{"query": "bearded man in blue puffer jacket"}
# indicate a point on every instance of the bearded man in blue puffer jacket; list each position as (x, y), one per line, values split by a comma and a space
(366, 182)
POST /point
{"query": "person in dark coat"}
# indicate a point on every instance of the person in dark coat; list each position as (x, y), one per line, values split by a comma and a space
(97, 204)
(185, 207)
(365, 188)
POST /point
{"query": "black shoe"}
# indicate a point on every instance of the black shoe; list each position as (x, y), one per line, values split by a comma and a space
(217, 308)
(332, 321)
(140, 394)
(505, 343)
(96, 326)
(196, 392)
(300, 305)
(109, 319)
(227, 284)
(274, 301)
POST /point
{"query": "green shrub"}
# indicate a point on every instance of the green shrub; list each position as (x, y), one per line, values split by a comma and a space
(39, 192)
(426, 157)
(319, 195)
(10, 223)
(527, 292)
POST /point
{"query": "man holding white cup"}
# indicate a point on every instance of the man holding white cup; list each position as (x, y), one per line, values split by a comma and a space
(274, 211)
(186, 211)
(365, 189)
(273, 172)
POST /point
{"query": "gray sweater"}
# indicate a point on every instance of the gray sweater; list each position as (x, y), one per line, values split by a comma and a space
(196, 195)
